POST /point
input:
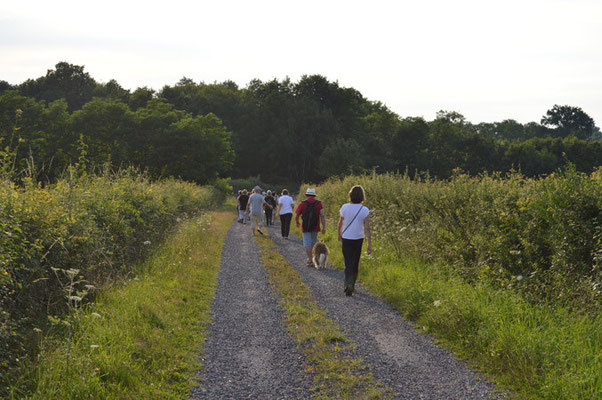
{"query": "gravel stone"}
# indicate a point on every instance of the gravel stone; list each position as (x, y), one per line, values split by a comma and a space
(248, 353)
(400, 357)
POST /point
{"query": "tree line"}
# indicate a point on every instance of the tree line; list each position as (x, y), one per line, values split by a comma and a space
(280, 130)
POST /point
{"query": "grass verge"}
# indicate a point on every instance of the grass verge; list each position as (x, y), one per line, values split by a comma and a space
(336, 374)
(535, 351)
(141, 340)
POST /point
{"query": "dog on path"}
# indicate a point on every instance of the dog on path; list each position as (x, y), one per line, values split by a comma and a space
(320, 255)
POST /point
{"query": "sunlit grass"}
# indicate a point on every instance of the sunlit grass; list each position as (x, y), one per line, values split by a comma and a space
(536, 350)
(336, 374)
(141, 340)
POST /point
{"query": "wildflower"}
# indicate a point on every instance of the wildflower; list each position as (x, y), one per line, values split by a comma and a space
(94, 346)
(514, 252)
(147, 242)
(75, 298)
(437, 303)
(136, 279)
(94, 314)
(519, 278)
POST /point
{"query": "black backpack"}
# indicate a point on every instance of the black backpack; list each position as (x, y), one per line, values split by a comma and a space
(310, 216)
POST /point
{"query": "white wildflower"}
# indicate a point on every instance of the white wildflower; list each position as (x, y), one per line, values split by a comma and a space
(75, 298)
(136, 279)
(519, 278)
(95, 314)
(94, 346)
(147, 243)
(437, 303)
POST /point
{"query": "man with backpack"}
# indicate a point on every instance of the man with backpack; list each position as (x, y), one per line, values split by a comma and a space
(312, 213)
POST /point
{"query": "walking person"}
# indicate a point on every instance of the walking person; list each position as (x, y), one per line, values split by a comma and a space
(243, 200)
(255, 210)
(286, 205)
(354, 225)
(312, 212)
(269, 210)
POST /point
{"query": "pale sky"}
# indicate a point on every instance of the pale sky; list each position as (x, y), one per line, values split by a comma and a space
(489, 60)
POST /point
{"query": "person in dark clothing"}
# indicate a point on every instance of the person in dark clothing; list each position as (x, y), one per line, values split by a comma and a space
(269, 210)
(243, 200)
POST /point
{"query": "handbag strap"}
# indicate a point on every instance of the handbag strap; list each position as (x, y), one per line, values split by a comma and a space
(347, 227)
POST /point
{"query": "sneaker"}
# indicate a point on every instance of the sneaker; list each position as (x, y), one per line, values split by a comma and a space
(260, 232)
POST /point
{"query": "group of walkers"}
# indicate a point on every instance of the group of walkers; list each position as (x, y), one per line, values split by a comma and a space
(353, 226)
(261, 205)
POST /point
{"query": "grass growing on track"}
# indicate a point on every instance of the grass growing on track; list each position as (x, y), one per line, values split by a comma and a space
(336, 375)
(141, 340)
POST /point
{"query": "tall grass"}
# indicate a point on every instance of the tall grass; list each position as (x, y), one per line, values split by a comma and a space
(59, 244)
(542, 237)
(506, 271)
(139, 340)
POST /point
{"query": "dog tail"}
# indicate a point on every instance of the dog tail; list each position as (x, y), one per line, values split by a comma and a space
(322, 259)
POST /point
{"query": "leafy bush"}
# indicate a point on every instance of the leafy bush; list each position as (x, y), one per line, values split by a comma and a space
(59, 244)
(542, 237)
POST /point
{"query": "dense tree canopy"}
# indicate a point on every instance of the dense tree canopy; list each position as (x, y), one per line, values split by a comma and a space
(280, 130)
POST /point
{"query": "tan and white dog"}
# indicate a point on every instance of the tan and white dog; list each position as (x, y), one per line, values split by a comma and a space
(320, 255)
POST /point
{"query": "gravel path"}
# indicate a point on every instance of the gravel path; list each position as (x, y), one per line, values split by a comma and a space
(248, 353)
(402, 358)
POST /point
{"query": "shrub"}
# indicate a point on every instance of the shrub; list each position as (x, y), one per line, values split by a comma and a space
(59, 244)
(542, 237)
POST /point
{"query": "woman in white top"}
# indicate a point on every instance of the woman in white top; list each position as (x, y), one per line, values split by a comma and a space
(354, 225)
(286, 206)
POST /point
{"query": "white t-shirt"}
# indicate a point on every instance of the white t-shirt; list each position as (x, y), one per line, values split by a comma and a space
(356, 229)
(286, 202)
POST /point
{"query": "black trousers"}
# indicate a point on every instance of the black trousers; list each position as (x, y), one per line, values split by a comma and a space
(268, 216)
(352, 250)
(285, 223)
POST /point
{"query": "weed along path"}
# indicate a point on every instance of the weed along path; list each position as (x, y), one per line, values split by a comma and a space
(282, 330)
(248, 353)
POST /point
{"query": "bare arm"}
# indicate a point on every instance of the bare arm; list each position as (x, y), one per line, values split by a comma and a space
(368, 234)
(341, 222)
(323, 218)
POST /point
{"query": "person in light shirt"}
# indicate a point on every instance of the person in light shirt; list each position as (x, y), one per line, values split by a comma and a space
(354, 226)
(286, 205)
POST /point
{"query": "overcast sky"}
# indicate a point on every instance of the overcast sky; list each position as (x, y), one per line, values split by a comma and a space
(489, 60)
